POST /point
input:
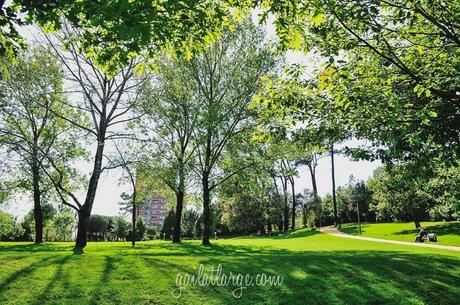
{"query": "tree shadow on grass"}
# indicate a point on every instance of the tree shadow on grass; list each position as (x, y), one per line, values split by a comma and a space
(304, 232)
(24, 272)
(335, 277)
(148, 275)
(28, 248)
(442, 229)
(196, 249)
(338, 277)
(353, 229)
(103, 282)
(59, 275)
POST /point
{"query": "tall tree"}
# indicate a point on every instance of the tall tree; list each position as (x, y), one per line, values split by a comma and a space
(170, 107)
(310, 157)
(30, 127)
(106, 103)
(227, 75)
(129, 165)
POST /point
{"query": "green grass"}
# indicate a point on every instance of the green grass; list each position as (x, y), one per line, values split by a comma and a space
(317, 269)
(448, 232)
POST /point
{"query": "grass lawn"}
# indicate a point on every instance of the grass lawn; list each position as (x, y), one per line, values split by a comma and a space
(448, 232)
(317, 269)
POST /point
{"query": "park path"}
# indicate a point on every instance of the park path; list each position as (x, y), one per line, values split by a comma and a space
(333, 231)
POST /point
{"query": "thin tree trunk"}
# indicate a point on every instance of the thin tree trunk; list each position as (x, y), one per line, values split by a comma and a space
(133, 242)
(416, 221)
(85, 211)
(206, 210)
(280, 223)
(334, 200)
(304, 216)
(286, 206)
(38, 213)
(315, 193)
(293, 203)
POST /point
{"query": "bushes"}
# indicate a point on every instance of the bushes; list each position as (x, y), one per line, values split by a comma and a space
(10, 229)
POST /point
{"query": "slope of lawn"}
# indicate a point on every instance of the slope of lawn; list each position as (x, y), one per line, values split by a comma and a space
(448, 232)
(317, 269)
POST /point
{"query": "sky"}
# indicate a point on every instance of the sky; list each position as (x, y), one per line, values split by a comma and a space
(110, 188)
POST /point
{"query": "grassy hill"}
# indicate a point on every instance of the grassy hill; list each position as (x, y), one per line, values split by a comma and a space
(317, 269)
(448, 232)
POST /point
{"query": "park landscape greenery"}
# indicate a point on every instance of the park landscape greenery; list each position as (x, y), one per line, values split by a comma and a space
(193, 101)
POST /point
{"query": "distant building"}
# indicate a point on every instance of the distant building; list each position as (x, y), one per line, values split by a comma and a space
(153, 211)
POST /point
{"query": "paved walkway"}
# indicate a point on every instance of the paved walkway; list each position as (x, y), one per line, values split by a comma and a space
(335, 232)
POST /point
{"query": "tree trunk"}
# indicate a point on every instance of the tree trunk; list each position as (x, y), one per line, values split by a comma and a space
(38, 213)
(313, 182)
(269, 227)
(178, 217)
(417, 223)
(280, 223)
(304, 216)
(83, 221)
(315, 193)
(262, 228)
(286, 206)
(334, 200)
(293, 203)
(38, 217)
(85, 211)
(133, 242)
(206, 211)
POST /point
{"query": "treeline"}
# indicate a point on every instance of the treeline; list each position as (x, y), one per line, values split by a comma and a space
(391, 196)
(388, 196)
(58, 225)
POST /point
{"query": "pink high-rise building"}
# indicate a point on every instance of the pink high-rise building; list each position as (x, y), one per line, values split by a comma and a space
(153, 211)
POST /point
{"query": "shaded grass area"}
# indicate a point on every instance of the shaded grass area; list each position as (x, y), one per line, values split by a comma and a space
(448, 232)
(317, 269)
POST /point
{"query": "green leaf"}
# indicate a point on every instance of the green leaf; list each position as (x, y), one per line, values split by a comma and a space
(318, 19)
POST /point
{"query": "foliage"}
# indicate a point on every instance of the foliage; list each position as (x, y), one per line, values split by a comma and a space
(31, 129)
(396, 194)
(444, 187)
(10, 229)
(115, 32)
(151, 233)
(99, 226)
(141, 229)
(168, 226)
(310, 208)
(10, 40)
(391, 68)
(121, 227)
(189, 220)
(352, 196)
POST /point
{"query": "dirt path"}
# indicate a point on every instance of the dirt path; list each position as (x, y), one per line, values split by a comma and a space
(335, 232)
